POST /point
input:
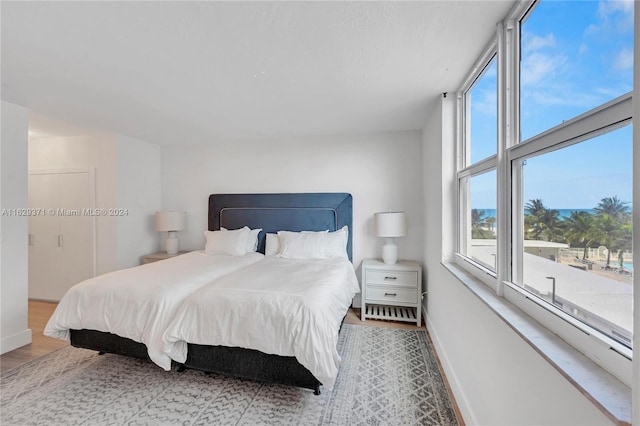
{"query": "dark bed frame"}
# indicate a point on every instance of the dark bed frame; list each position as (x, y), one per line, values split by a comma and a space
(272, 213)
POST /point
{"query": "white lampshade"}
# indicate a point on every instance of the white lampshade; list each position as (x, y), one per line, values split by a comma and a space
(391, 224)
(170, 221)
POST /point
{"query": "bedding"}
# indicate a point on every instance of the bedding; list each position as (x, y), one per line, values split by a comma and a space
(272, 241)
(234, 242)
(271, 245)
(313, 245)
(286, 307)
(137, 303)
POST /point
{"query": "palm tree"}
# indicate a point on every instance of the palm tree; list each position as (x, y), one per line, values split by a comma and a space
(479, 225)
(578, 230)
(534, 209)
(491, 221)
(612, 206)
(624, 242)
(605, 231)
(542, 223)
(613, 227)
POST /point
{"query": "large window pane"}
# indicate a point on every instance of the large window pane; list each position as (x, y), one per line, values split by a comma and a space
(575, 56)
(577, 247)
(480, 220)
(483, 115)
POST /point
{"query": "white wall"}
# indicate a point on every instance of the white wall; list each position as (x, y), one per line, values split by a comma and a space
(138, 192)
(381, 171)
(91, 151)
(14, 331)
(496, 377)
(127, 174)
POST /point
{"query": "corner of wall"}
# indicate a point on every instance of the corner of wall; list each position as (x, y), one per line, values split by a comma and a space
(14, 331)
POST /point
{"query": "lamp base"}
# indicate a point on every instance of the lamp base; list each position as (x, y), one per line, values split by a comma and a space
(389, 251)
(171, 244)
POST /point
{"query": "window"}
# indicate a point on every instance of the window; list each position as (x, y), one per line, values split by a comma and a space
(480, 219)
(477, 178)
(575, 56)
(556, 171)
(577, 240)
(482, 100)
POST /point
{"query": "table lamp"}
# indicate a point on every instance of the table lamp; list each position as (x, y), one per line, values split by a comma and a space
(171, 222)
(390, 225)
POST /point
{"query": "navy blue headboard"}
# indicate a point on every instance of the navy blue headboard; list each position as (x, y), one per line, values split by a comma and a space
(282, 212)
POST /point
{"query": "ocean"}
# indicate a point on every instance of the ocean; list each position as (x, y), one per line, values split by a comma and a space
(564, 213)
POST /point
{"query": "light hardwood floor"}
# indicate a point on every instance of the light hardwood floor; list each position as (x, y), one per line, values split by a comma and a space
(40, 312)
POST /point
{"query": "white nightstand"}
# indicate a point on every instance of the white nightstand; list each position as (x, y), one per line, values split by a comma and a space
(161, 255)
(391, 292)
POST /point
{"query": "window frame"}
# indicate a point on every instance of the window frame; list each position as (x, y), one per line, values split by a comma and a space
(611, 355)
(466, 171)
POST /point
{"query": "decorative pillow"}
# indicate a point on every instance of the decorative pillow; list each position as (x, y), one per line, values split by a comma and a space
(313, 245)
(252, 239)
(227, 242)
(272, 245)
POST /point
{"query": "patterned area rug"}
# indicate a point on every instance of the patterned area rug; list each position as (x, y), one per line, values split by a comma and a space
(388, 377)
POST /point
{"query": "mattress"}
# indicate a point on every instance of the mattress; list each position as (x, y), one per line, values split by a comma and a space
(138, 303)
(286, 307)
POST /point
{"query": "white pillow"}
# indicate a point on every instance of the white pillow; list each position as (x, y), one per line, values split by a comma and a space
(314, 245)
(227, 242)
(335, 243)
(272, 245)
(252, 239)
(272, 242)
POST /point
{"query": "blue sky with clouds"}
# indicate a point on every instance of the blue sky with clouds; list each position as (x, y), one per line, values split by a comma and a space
(576, 55)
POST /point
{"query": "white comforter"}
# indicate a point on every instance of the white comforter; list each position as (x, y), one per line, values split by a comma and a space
(287, 307)
(139, 302)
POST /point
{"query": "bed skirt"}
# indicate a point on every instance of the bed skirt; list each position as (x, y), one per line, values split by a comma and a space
(105, 342)
(237, 362)
(250, 364)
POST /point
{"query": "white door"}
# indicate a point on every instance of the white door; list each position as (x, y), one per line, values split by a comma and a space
(61, 246)
(43, 235)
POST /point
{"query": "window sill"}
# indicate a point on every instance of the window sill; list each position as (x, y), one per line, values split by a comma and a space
(608, 394)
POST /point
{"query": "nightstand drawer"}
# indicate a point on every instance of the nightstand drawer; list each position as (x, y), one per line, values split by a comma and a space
(391, 295)
(405, 278)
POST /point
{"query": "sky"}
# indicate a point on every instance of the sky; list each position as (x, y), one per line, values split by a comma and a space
(576, 55)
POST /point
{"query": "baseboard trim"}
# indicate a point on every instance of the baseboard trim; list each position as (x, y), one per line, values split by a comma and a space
(15, 341)
(461, 398)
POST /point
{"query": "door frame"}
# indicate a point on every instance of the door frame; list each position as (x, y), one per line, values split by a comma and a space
(92, 200)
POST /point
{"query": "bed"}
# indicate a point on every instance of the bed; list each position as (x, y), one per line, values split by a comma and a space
(271, 213)
(131, 308)
(291, 307)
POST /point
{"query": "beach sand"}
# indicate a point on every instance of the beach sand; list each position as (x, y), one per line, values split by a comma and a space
(598, 268)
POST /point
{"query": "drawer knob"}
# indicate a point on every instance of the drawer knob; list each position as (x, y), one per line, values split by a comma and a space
(390, 278)
(390, 294)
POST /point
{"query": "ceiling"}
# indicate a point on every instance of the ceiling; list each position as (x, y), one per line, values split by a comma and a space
(196, 72)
